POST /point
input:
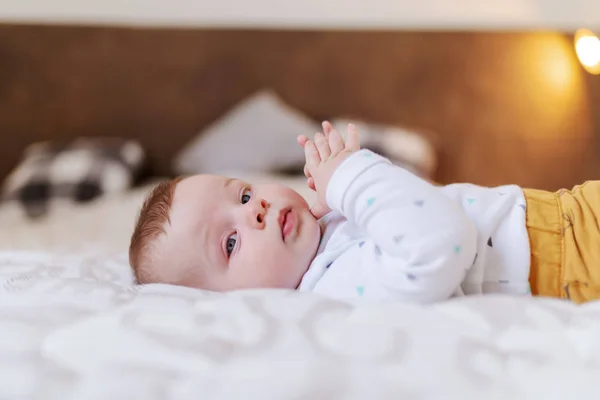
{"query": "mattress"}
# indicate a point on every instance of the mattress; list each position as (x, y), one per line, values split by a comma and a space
(73, 326)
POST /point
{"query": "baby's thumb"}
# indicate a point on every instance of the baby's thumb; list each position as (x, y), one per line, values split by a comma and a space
(318, 210)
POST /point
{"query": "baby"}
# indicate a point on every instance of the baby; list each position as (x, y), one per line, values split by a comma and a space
(376, 231)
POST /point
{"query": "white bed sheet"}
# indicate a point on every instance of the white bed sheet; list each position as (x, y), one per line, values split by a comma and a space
(73, 326)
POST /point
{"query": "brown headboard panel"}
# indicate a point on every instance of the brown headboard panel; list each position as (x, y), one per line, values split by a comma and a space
(508, 107)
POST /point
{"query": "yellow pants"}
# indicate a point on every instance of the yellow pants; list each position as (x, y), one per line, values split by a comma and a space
(564, 235)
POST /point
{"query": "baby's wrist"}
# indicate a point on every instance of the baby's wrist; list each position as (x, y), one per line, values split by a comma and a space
(345, 174)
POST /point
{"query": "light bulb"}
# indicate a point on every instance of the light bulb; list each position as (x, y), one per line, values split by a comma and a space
(587, 47)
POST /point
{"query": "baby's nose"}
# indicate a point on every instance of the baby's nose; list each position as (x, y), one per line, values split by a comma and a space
(258, 213)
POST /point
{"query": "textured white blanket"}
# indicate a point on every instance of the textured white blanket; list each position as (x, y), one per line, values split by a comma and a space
(75, 328)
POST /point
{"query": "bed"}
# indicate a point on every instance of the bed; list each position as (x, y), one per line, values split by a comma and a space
(74, 326)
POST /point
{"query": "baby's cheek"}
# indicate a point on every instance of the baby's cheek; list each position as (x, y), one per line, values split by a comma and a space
(296, 199)
(271, 265)
(258, 272)
(279, 273)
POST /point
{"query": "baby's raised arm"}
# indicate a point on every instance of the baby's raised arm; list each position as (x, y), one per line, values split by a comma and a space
(421, 243)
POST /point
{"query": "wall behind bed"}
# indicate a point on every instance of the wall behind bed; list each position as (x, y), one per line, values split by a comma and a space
(509, 105)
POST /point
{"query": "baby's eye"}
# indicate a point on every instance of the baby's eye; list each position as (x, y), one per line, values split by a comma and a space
(245, 196)
(231, 241)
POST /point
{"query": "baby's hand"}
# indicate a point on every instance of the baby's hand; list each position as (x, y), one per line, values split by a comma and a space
(323, 156)
(302, 139)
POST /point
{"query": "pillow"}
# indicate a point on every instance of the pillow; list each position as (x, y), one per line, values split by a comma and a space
(82, 170)
(258, 135)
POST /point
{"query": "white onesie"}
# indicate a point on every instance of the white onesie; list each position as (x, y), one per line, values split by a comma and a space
(392, 235)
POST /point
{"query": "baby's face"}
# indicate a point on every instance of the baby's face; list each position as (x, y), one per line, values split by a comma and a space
(225, 234)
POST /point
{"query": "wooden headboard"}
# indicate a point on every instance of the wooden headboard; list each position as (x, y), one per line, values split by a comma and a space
(508, 107)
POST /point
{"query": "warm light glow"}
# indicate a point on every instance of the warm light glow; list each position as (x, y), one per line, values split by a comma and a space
(587, 46)
(546, 69)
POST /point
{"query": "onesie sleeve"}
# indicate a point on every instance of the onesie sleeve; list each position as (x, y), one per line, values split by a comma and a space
(423, 242)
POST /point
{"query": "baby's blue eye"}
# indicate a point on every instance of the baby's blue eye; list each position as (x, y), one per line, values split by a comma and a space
(245, 196)
(231, 241)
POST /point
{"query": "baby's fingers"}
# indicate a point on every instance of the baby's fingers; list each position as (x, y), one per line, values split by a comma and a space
(311, 154)
(306, 171)
(352, 141)
(322, 146)
(336, 143)
(302, 139)
(327, 128)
